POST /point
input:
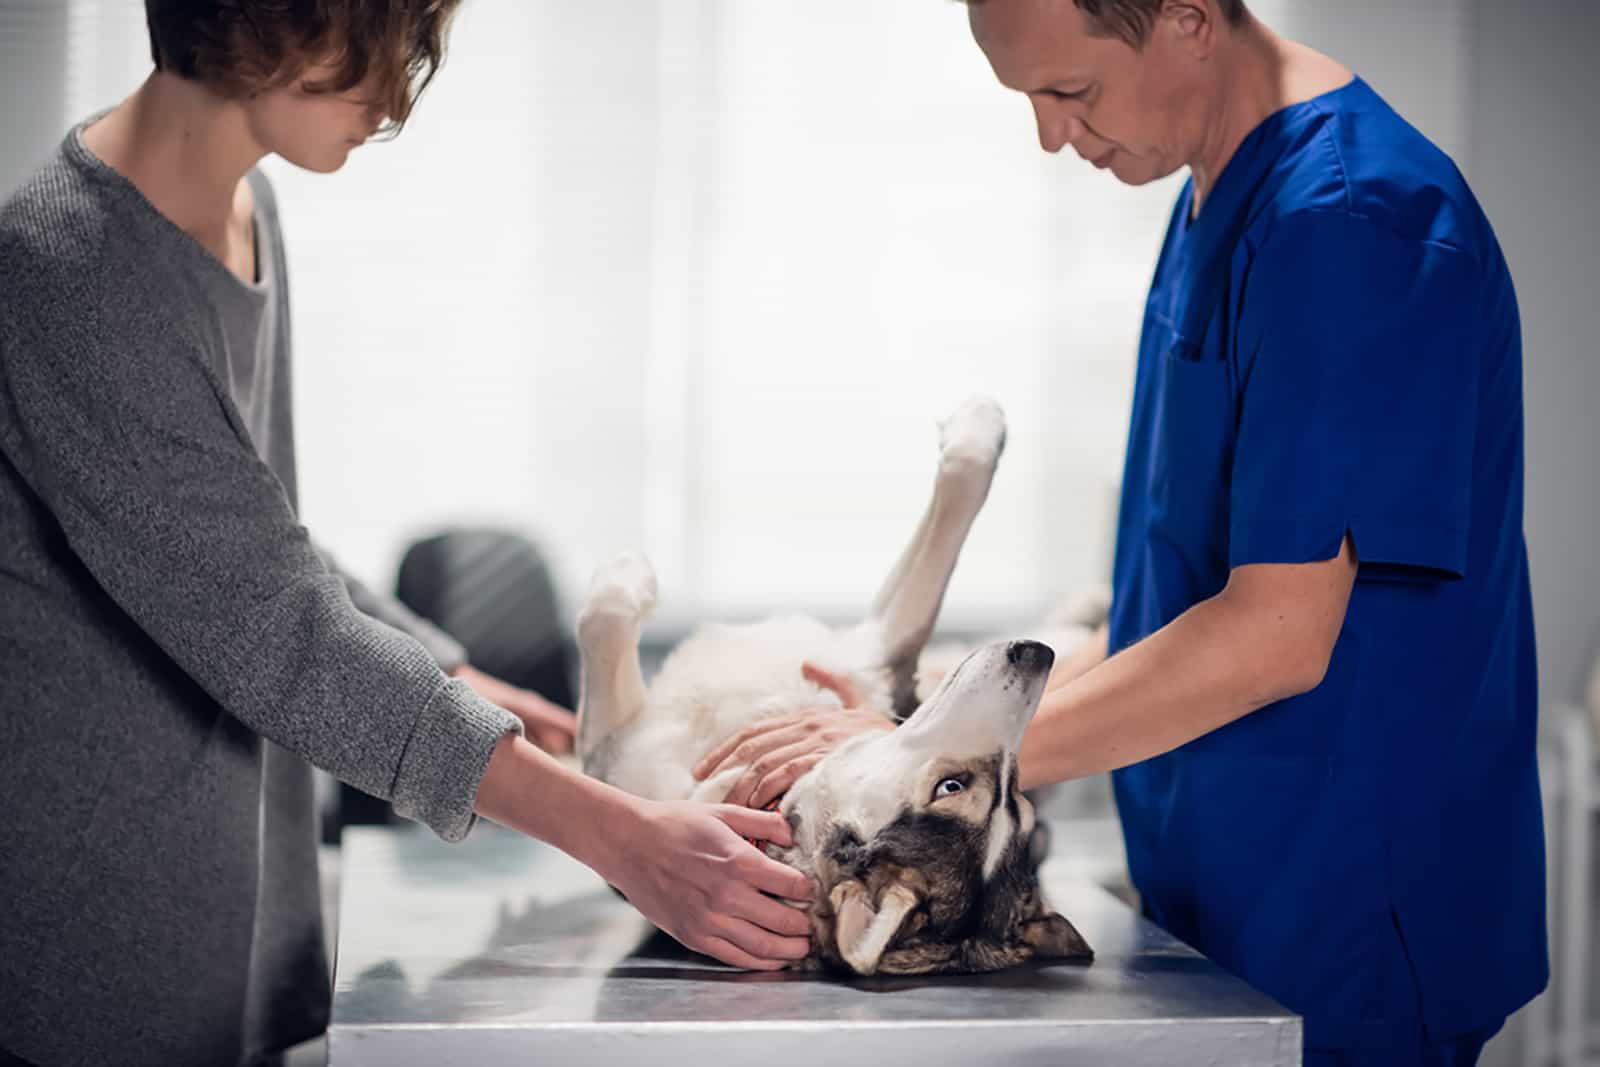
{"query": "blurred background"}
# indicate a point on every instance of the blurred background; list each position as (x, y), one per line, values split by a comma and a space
(697, 277)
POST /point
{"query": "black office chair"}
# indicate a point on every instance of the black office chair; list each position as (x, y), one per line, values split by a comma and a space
(493, 592)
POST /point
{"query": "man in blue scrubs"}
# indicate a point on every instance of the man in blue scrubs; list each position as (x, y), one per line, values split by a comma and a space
(1321, 689)
(1319, 698)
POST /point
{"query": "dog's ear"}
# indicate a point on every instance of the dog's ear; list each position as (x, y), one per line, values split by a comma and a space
(1051, 936)
(863, 930)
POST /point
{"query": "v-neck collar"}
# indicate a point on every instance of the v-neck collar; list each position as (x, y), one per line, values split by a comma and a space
(1204, 243)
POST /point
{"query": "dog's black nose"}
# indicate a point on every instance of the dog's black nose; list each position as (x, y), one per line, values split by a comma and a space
(1030, 656)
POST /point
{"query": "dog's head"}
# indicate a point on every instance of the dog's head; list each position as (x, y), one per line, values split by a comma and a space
(919, 838)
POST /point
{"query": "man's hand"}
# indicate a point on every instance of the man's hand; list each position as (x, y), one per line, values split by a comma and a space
(777, 752)
(685, 866)
(550, 726)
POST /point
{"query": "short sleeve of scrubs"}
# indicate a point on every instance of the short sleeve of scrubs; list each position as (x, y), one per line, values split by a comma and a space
(1358, 400)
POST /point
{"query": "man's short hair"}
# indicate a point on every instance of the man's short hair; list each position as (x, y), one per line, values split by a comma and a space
(241, 47)
(1131, 19)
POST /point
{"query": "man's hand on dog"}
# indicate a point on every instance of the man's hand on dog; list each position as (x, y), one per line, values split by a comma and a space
(687, 868)
(777, 752)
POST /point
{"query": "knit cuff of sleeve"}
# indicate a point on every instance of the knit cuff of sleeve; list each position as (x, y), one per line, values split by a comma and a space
(445, 759)
(446, 651)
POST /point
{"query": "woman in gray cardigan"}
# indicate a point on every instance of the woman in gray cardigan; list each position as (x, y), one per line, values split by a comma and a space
(174, 651)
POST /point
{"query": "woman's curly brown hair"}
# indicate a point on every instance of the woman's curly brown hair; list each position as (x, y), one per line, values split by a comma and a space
(241, 47)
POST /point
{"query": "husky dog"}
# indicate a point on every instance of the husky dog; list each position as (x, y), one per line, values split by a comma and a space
(918, 837)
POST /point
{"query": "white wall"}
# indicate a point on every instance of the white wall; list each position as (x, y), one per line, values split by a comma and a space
(467, 297)
(1415, 53)
(60, 60)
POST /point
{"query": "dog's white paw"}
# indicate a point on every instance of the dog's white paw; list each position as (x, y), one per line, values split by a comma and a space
(975, 434)
(624, 586)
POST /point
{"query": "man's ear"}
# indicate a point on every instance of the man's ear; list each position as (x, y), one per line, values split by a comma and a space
(863, 930)
(1194, 22)
(1052, 937)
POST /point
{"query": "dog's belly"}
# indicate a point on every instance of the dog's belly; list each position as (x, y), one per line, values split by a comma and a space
(724, 678)
(649, 764)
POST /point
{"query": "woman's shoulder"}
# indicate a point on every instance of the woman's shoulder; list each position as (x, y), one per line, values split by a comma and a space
(74, 251)
(57, 221)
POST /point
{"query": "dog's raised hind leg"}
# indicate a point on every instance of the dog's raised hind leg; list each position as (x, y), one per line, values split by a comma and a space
(611, 688)
(970, 443)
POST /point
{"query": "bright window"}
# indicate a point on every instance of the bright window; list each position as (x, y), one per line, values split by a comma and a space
(697, 278)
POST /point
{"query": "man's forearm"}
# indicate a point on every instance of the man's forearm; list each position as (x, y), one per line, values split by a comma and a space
(1268, 636)
(1211, 665)
(1085, 657)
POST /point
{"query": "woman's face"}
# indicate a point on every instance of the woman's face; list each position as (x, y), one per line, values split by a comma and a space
(315, 130)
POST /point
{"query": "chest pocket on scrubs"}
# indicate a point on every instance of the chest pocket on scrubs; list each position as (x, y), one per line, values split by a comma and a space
(1193, 448)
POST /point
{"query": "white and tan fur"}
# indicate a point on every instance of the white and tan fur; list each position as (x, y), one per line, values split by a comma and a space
(918, 836)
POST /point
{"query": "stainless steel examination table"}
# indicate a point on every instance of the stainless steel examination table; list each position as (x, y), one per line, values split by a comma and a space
(504, 951)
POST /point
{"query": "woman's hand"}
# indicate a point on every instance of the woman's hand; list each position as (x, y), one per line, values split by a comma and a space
(777, 752)
(550, 726)
(687, 868)
(683, 864)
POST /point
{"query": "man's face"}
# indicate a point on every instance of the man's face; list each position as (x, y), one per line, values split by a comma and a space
(1127, 110)
(315, 131)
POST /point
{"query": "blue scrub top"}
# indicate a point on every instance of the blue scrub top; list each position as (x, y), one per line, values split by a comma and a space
(1333, 346)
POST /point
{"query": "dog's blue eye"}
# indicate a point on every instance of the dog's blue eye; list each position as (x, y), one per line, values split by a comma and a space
(949, 787)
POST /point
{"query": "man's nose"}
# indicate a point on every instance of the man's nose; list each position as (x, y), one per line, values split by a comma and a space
(1057, 129)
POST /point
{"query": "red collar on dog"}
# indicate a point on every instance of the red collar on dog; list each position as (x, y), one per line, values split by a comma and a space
(771, 805)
